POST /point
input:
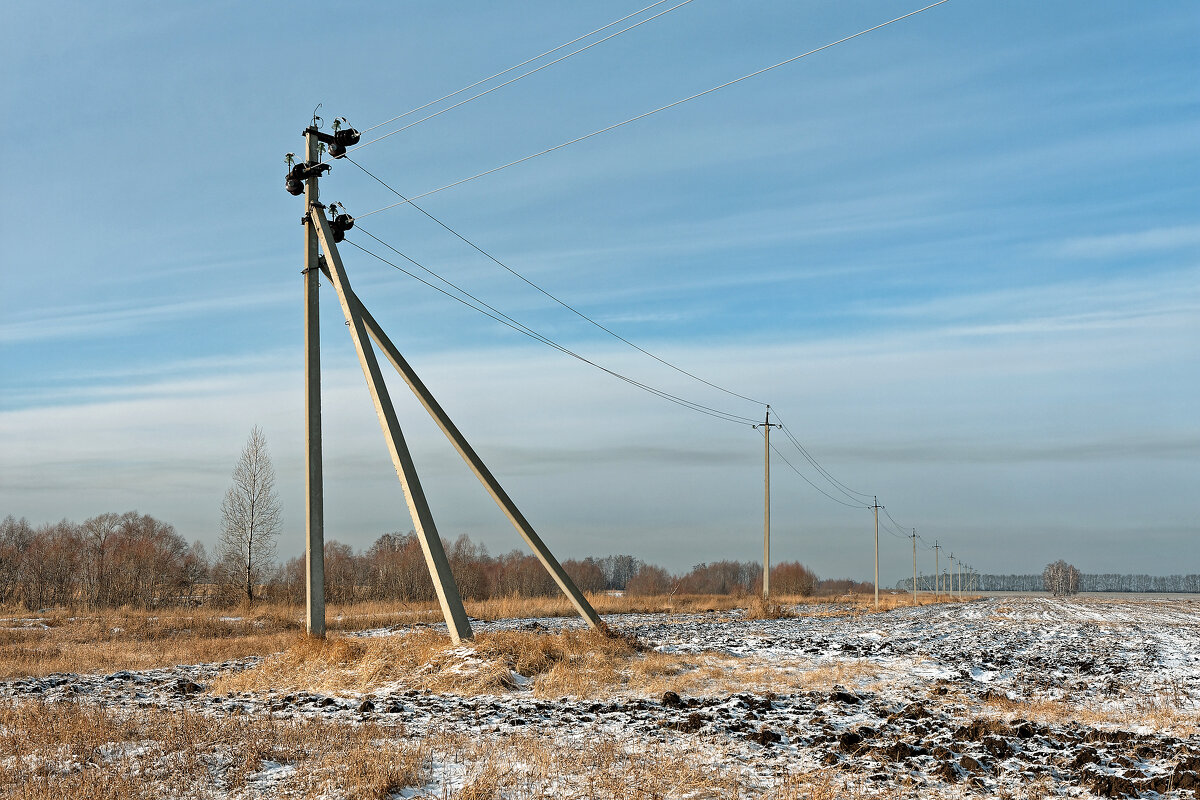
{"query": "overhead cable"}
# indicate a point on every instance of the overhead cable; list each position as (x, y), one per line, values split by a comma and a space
(555, 298)
(519, 77)
(649, 113)
(514, 66)
(504, 319)
(838, 485)
(889, 516)
(810, 483)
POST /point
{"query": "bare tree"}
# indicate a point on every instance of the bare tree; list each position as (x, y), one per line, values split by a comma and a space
(100, 534)
(250, 517)
(1061, 578)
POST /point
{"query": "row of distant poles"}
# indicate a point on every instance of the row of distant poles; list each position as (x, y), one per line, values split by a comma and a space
(321, 236)
(959, 579)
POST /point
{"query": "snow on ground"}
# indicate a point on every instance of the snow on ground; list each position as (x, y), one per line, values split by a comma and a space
(1077, 698)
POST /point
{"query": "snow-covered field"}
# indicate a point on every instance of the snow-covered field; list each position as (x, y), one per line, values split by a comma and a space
(1012, 696)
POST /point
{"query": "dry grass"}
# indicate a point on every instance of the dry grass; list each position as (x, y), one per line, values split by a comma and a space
(376, 614)
(1164, 710)
(115, 640)
(760, 608)
(67, 750)
(567, 663)
(61, 641)
(571, 663)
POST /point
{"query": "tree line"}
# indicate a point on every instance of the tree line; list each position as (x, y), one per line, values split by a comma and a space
(131, 559)
(1086, 582)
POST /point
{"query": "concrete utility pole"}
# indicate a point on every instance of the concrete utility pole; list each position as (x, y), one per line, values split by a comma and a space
(952, 574)
(914, 538)
(937, 570)
(766, 428)
(876, 507)
(418, 507)
(322, 234)
(314, 527)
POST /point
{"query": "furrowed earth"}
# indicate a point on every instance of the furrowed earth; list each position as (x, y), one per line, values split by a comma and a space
(1000, 697)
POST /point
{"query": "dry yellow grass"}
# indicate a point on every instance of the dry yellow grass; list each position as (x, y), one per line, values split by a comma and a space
(67, 750)
(61, 641)
(358, 616)
(1164, 710)
(571, 663)
(115, 640)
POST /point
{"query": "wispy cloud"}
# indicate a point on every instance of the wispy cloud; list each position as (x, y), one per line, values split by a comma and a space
(118, 318)
(1182, 446)
(1117, 245)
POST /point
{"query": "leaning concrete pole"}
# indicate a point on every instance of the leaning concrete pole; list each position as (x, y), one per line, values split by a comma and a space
(418, 506)
(477, 466)
(314, 530)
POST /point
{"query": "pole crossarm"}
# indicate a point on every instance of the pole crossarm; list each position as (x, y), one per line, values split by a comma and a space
(485, 476)
(418, 507)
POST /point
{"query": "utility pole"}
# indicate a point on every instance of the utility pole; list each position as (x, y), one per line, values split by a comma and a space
(766, 427)
(314, 496)
(876, 508)
(937, 570)
(952, 575)
(914, 542)
(321, 255)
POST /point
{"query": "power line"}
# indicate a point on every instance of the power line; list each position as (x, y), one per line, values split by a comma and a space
(555, 298)
(515, 66)
(655, 111)
(519, 77)
(507, 321)
(889, 516)
(893, 531)
(810, 483)
(843, 488)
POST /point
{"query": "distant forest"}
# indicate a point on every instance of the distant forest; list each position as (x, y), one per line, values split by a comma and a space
(131, 559)
(1108, 582)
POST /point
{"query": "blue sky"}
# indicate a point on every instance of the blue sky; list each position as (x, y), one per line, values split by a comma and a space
(960, 255)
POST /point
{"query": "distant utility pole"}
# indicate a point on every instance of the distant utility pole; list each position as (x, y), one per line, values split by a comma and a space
(876, 507)
(937, 570)
(914, 538)
(952, 594)
(766, 428)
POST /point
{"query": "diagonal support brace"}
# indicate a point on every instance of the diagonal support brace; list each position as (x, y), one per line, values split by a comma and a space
(493, 487)
(418, 506)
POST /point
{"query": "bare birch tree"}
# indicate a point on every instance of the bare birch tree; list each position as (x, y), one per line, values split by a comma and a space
(1061, 578)
(250, 517)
